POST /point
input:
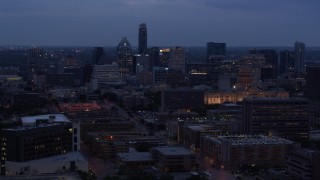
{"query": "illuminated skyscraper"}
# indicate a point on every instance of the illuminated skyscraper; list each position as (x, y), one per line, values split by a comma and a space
(125, 57)
(299, 56)
(143, 39)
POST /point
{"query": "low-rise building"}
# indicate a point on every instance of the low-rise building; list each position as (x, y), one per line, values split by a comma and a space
(39, 137)
(234, 151)
(304, 164)
(174, 158)
(134, 160)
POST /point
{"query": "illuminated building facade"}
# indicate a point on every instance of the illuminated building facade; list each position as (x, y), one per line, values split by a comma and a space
(125, 57)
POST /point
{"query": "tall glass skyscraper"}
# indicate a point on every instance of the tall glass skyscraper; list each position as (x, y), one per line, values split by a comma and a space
(143, 38)
(299, 56)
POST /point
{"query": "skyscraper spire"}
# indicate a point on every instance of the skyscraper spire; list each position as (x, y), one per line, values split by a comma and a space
(143, 38)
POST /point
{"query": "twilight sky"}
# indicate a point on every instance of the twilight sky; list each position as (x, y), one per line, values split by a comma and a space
(169, 22)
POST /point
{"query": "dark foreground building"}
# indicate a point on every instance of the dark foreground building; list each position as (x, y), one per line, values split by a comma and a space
(38, 137)
(285, 117)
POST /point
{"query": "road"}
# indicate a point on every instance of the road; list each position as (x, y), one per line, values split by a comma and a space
(205, 165)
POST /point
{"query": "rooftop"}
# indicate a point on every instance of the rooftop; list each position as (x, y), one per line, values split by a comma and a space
(68, 157)
(31, 120)
(243, 140)
(173, 151)
(135, 156)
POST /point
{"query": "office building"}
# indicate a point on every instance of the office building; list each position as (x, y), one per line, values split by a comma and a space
(216, 51)
(60, 80)
(141, 63)
(270, 55)
(286, 62)
(313, 82)
(174, 158)
(233, 151)
(269, 73)
(106, 75)
(284, 117)
(36, 60)
(178, 59)
(38, 137)
(143, 39)
(78, 74)
(299, 57)
(125, 57)
(175, 99)
(164, 56)
(154, 57)
(304, 164)
(97, 55)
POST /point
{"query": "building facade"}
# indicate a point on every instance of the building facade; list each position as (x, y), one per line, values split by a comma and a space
(143, 39)
(285, 117)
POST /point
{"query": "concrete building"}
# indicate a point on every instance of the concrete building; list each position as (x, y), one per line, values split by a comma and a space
(105, 76)
(313, 82)
(133, 160)
(216, 51)
(178, 59)
(299, 57)
(69, 162)
(232, 151)
(39, 137)
(175, 99)
(143, 39)
(60, 80)
(304, 164)
(284, 117)
(171, 159)
(125, 57)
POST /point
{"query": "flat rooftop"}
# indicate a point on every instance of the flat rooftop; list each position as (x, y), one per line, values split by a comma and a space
(70, 156)
(173, 151)
(135, 156)
(254, 140)
(31, 120)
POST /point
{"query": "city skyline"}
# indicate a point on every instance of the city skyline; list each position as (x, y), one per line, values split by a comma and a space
(170, 23)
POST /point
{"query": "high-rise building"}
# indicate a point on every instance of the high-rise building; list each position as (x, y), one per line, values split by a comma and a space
(270, 55)
(178, 59)
(36, 60)
(299, 57)
(216, 51)
(107, 75)
(285, 117)
(286, 62)
(125, 57)
(141, 63)
(97, 55)
(154, 57)
(313, 82)
(143, 39)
